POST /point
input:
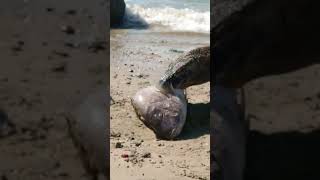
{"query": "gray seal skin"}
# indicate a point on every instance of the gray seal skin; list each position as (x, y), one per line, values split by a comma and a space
(164, 113)
(190, 69)
(89, 129)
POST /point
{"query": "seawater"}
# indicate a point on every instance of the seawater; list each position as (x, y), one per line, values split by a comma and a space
(168, 15)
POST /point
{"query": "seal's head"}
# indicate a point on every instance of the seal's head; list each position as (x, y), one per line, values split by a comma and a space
(164, 113)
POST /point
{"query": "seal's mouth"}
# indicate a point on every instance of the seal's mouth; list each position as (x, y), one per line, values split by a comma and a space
(165, 87)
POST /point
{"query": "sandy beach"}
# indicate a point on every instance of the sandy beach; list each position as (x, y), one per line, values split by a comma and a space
(138, 60)
(284, 115)
(53, 55)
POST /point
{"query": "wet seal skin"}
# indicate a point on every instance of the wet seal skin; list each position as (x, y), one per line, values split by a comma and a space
(163, 112)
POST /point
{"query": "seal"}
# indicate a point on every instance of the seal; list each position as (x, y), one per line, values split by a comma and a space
(163, 107)
(192, 68)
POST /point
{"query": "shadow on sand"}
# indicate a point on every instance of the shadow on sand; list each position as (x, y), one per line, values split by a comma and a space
(198, 121)
(280, 156)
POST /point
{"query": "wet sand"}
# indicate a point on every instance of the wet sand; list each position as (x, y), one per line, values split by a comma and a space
(50, 63)
(138, 59)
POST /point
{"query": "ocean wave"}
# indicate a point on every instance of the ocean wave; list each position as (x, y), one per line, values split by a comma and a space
(175, 19)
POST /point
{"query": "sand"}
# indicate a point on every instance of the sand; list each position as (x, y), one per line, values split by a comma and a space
(46, 70)
(285, 121)
(138, 59)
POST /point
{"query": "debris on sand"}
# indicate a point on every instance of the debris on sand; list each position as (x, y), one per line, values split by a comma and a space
(61, 54)
(61, 67)
(7, 128)
(71, 12)
(176, 51)
(18, 46)
(125, 155)
(68, 29)
(97, 45)
(119, 145)
(146, 155)
(50, 9)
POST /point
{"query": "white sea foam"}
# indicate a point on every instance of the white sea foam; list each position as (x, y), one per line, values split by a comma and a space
(168, 18)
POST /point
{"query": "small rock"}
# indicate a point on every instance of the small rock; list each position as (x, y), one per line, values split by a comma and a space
(18, 46)
(176, 51)
(124, 155)
(131, 70)
(146, 155)
(71, 12)
(115, 134)
(119, 145)
(59, 68)
(63, 174)
(97, 46)
(68, 29)
(7, 128)
(71, 45)
(49, 9)
(61, 54)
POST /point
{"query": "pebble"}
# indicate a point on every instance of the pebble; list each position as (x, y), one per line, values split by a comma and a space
(71, 12)
(71, 45)
(49, 9)
(61, 54)
(18, 46)
(119, 145)
(176, 51)
(97, 46)
(59, 68)
(146, 155)
(68, 29)
(6, 127)
(124, 155)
